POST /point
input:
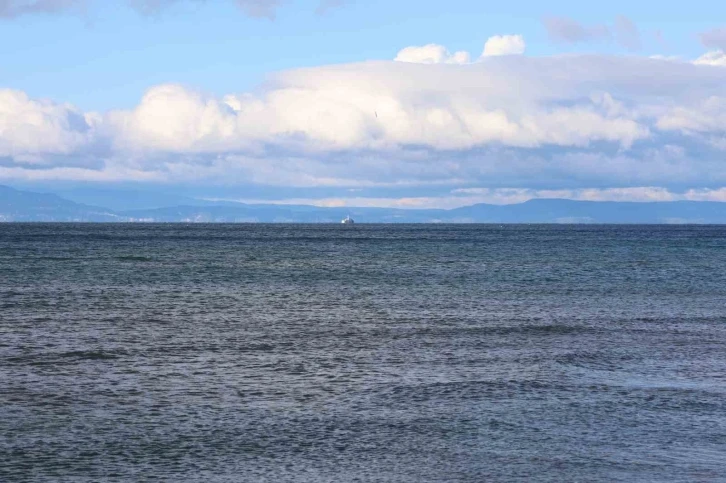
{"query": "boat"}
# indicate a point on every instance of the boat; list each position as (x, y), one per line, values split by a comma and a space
(347, 220)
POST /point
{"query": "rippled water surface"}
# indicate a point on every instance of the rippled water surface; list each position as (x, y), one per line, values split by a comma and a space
(306, 353)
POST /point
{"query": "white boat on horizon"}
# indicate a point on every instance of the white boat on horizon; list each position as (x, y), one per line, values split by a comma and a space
(348, 220)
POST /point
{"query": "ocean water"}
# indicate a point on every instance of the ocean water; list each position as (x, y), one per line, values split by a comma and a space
(326, 353)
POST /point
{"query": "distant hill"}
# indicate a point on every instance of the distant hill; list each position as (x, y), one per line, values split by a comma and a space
(571, 211)
(121, 199)
(17, 205)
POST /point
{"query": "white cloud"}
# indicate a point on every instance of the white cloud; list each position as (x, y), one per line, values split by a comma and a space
(705, 194)
(504, 45)
(438, 54)
(715, 57)
(575, 120)
(174, 119)
(30, 128)
(706, 116)
(370, 106)
(431, 54)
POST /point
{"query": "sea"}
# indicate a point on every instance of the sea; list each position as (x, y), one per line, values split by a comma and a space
(362, 353)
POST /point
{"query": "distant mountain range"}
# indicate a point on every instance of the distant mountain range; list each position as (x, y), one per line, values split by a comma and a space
(26, 206)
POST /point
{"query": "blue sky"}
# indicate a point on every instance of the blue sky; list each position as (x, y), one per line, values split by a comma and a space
(92, 90)
(106, 55)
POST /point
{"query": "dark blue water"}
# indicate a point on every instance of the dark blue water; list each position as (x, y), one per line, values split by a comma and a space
(362, 353)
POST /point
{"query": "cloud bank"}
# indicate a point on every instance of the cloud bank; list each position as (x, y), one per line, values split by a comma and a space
(504, 120)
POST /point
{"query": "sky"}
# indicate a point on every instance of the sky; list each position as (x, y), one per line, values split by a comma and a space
(375, 103)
